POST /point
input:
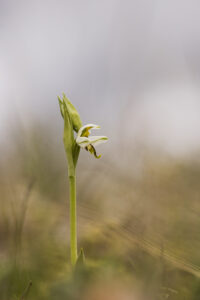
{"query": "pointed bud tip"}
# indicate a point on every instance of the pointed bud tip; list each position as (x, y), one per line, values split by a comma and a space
(59, 99)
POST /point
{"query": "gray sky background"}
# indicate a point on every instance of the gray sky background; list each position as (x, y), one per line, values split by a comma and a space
(132, 66)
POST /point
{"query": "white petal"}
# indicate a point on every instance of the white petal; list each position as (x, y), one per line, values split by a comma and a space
(89, 126)
(82, 141)
(97, 140)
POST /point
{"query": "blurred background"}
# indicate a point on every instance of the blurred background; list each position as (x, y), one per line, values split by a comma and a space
(132, 67)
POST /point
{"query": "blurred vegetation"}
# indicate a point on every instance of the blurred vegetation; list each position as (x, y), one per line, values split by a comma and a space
(138, 222)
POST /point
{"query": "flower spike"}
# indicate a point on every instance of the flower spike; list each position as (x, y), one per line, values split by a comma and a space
(72, 144)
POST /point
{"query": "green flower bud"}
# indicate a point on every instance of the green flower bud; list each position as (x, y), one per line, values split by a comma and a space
(72, 122)
(74, 115)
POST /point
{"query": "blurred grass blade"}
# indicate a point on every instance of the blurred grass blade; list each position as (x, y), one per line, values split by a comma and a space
(80, 259)
(26, 292)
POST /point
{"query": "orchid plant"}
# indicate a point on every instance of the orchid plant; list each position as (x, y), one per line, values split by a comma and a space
(72, 144)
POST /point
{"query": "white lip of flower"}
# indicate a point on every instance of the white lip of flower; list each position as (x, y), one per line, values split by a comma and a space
(84, 141)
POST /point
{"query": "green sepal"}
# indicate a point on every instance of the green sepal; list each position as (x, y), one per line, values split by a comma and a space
(61, 107)
(75, 117)
(68, 139)
(76, 152)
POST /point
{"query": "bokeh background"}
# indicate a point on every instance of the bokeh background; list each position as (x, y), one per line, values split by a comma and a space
(133, 68)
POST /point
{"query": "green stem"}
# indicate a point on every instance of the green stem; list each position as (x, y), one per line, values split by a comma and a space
(73, 234)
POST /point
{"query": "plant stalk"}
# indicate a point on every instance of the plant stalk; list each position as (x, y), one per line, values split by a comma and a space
(73, 232)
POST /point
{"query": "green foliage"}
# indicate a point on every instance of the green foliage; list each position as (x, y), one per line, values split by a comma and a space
(140, 234)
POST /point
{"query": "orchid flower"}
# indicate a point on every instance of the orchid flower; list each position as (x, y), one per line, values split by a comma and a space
(72, 122)
(86, 142)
